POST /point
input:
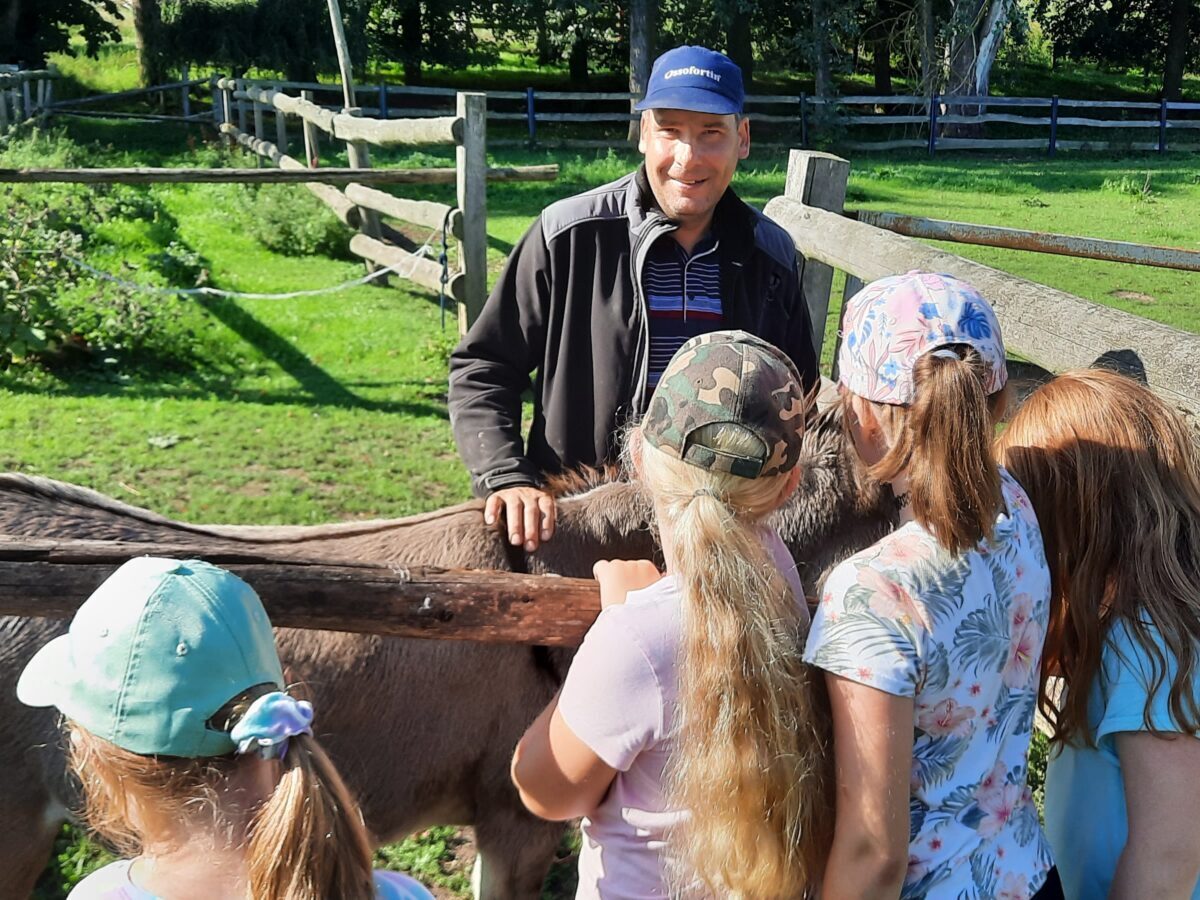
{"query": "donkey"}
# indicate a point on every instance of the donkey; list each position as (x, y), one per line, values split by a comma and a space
(423, 730)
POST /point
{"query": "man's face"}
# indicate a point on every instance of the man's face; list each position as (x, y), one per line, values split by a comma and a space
(691, 158)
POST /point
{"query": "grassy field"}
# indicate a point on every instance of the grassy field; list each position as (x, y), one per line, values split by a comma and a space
(327, 408)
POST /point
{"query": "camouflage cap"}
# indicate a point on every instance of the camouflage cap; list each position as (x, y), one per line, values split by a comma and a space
(733, 378)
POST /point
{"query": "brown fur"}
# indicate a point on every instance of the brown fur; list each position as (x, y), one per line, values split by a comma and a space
(422, 730)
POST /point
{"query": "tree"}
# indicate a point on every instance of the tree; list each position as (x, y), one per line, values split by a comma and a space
(288, 36)
(1177, 49)
(30, 30)
(417, 33)
(1154, 35)
(642, 30)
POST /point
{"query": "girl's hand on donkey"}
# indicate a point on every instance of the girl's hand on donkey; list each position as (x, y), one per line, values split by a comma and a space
(618, 577)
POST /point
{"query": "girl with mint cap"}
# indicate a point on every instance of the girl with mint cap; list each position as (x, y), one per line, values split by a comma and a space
(931, 639)
(193, 759)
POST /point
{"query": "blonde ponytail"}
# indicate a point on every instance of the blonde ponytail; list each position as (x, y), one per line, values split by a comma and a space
(750, 761)
(308, 841)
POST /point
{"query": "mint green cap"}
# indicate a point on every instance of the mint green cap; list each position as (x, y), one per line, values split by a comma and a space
(153, 653)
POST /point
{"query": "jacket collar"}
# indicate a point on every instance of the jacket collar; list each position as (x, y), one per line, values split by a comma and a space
(733, 221)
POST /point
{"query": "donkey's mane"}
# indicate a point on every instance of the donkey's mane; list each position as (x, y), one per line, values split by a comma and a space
(574, 482)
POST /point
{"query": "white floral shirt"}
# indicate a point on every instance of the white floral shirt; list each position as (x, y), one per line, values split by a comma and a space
(962, 635)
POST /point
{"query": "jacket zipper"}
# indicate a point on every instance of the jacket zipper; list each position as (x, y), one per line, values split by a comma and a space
(686, 265)
(641, 247)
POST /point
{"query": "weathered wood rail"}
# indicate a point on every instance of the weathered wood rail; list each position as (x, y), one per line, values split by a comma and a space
(52, 578)
(1052, 328)
(928, 120)
(360, 207)
(1037, 241)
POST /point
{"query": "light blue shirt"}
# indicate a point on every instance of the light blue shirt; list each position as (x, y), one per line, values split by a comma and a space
(1086, 819)
(113, 882)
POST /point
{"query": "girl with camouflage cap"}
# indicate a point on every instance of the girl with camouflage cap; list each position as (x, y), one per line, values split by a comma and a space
(686, 733)
(931, 639)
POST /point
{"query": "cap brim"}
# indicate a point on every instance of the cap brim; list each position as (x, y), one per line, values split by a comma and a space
(44, 679)
(692, 99)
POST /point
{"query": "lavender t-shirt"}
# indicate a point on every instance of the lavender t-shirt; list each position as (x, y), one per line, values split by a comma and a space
(621, 699)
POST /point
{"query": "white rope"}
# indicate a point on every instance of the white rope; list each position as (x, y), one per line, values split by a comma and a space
(418, 254)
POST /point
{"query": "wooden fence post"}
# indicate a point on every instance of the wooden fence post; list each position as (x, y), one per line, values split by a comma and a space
(933, 117)
(27, 97)
(1053, 124)
(817, 179)
(3, 111)
(241, 105)
(803, 121)
(185, 93)
(1162, 126)
(226, 109)
(383, 100)
(281, 137)
(311, 148)
(472, 200)
(531, 115)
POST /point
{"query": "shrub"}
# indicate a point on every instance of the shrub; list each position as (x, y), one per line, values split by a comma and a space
(287, 219)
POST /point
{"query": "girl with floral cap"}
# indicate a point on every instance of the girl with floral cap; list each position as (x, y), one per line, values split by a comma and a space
(931, 639)
(686, 733)
(1114, 474)
(194, 761)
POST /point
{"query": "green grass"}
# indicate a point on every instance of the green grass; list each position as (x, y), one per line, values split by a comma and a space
(327, 408)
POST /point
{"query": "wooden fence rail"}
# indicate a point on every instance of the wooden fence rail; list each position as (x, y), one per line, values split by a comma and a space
(1037, 241)
(937, 116)
(51, 578)
(1050, 327)
(360, 207)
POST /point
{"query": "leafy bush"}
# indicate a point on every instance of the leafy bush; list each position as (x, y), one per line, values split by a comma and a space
(75, 856)
(288, 219)
(32, 272)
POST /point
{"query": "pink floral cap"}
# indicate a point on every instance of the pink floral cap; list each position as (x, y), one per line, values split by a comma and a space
(893, 322)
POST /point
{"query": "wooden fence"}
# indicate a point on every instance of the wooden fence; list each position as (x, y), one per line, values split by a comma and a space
(1052, 328)
(24, 96)
(929, 123)
(943, 122)
(237, 102)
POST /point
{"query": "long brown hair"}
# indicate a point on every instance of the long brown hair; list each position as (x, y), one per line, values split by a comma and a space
(751, 759)
(1114, 477)
(944, 441)
(306, 841)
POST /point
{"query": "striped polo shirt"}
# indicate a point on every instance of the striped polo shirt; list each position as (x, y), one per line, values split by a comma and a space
(683, 297)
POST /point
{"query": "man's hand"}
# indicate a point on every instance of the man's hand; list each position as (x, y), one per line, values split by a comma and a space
(528, 512)
(618, 577)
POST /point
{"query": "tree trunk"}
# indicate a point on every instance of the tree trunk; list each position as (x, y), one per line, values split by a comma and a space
(822, 51)
(642, 29)
(881, 62)
(546, 53)
(577, 62)
(411, 33)
(929, 79)
(972, 52)
(1177, 46)
(738, 40)
(147, 23)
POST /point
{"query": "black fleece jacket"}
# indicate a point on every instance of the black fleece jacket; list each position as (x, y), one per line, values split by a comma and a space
(570, 306)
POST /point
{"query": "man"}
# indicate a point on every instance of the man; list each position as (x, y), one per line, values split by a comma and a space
(605, 287)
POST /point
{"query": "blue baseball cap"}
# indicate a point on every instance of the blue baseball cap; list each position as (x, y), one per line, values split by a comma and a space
(696, 79)
(153, 653)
